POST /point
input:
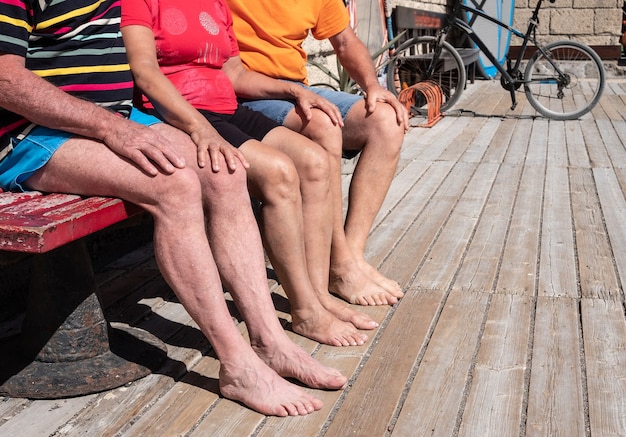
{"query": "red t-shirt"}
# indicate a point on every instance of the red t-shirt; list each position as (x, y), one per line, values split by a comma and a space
(193, 40)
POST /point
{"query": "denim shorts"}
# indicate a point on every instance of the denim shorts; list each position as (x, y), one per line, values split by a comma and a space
(277, 110)
(35, 150)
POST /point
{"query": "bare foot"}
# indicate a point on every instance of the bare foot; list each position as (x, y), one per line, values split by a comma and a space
(343, 311)
(290, 361)
(262, 389)
(354, 285)
(321, 325)
(388, 284)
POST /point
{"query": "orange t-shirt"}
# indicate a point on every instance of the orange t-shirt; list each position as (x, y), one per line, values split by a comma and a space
(270, 32)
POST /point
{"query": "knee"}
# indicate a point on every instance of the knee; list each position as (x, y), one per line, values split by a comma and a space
(321, 130)
(281, 182)
(316, 167)
(229, 183)
(175, 192)
(384, 124)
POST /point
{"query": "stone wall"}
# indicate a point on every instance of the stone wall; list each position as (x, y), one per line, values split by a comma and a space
(594, 22)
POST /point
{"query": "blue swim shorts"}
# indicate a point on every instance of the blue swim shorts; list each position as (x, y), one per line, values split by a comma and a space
(33, 152)
(277, 110)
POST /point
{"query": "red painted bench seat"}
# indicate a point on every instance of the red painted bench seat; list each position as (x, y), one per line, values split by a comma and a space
(66, 347)
(33, 222)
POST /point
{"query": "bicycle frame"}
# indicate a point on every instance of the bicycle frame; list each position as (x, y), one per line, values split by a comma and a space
(510, 78)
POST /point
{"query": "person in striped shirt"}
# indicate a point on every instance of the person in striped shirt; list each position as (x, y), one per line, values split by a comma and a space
(67, 125)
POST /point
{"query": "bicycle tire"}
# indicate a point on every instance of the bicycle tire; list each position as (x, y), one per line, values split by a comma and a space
(578, 94)
(411, 60)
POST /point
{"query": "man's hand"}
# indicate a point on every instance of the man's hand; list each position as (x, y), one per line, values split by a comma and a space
(380, 94)
(306, 100)
(145, 147)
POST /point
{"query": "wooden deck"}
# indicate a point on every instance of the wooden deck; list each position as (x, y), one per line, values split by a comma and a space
(507, 232)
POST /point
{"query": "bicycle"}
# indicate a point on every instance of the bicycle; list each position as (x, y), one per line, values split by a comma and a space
(562, 80)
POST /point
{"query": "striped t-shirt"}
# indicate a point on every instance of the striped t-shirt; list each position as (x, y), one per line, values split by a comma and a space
(74, 44)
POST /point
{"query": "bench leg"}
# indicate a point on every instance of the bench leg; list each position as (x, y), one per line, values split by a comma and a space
(66, 347)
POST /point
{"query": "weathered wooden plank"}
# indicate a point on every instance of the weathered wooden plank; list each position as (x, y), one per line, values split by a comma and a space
(597, 274)
(557, 146)
(518, 146)
(556, 397)
(436, 148)
(44, 417)
(183, 405)
(477, 148)
(598, 155)
(613, 106)
(519, 261)
(400, 187)
(227, 418)
(574, 141)
(418, 140)
(117, 410)
(443, 260)
(495, 403)
(604, 334)
(499, 144)
(386, 236)
(537, 151)
(457, 148)
(369, 404)
(492, 102)
(480, 264)
(10, 407)
(419, 236)
(557, 266)
(613, 143)
(437, 394)
(614, 210)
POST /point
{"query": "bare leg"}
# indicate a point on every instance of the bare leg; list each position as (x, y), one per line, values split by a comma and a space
(186, 260)
(318, 219)
(380, 140)
(348, 279)
(273, 178)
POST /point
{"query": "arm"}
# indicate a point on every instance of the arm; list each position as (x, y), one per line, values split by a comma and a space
(174, 108)
(25, 93)
(355, 58)
(252, 85)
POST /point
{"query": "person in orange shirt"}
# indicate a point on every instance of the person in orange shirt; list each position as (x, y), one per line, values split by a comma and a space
(270, 35)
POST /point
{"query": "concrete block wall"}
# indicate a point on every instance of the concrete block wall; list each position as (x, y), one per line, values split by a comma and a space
(593, 22)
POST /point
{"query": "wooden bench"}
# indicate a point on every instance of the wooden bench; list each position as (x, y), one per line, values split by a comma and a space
(66, 347)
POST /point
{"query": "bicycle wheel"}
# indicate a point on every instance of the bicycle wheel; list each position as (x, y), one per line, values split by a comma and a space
(569, 96)
(412, 61)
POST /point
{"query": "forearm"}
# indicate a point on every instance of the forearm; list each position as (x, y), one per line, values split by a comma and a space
(168, 101)
(25, 93)
(253, 85)
(355, 59)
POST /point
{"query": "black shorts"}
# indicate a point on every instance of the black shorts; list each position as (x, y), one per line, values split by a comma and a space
(245, 124)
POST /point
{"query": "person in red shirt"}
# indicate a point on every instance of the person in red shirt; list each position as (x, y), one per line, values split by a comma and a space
(184, 57)
(84, 137)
